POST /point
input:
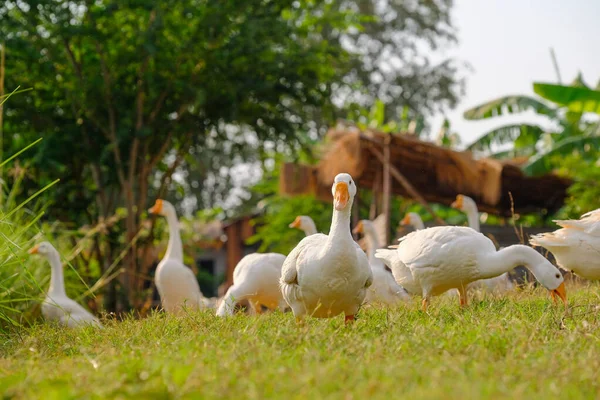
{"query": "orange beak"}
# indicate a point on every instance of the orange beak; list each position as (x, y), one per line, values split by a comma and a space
(296, 223)
(559, 292)
(458, 203)
(406, 220)
(341, 196)
(157, 207)
(358, 228)
(34, 249)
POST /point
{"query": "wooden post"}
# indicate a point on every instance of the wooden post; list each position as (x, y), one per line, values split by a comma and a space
(234, 250)
(355, 212)
(374, 196)
(387, 187)
(406, 184)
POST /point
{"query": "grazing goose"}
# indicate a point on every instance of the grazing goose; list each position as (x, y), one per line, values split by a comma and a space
(256, 279)
(327, 275)
(384, 289)
(451, 257)
(305, 224)
(176, 283)
(500, 283)
(576, 245)
(58, 306)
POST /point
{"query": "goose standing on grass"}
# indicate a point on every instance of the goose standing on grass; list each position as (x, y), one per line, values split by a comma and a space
(176, 283)
(576, 245)
(305, 224)
(58, 306)
(384, 289)
(500, 283)
(256, 279)
(328, 275)
(451, 257)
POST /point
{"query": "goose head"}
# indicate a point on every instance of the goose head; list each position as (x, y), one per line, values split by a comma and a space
(43, 248)
(162, 207)
(464, 203)
(410, 219)
(553, 280)
(343, 191)
(364, 226)
(301, 222)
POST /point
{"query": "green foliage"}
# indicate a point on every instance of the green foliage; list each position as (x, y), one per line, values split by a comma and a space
(584, 169)
(520, 346)
(273, 231)
(508, 105)
(577, 99)
(381, 117)
(576, 132)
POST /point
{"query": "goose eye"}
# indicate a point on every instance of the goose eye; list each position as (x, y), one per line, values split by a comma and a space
(557, 276)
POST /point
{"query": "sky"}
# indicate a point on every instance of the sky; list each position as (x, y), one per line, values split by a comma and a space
(507, 44)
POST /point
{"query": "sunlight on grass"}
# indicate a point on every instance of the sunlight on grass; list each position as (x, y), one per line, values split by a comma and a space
(497, 348)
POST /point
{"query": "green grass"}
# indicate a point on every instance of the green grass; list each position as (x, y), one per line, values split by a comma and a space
(517, 347)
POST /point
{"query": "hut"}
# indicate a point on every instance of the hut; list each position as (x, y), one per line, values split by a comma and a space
(401, 164)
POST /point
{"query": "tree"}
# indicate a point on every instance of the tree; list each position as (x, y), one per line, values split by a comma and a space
(123, 92)
(393, 43)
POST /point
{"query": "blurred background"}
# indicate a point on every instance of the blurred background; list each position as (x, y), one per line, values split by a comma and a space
(240, 112)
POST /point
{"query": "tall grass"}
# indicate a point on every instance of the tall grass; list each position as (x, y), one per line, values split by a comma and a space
(20, 282)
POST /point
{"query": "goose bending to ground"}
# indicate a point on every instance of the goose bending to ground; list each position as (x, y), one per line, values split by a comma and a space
(58, 306)
(575, 245)
(384, 289)
(451, 257)
(256, 279)
(305, 224)
(500, 283)
(328, 275)
(176, 283)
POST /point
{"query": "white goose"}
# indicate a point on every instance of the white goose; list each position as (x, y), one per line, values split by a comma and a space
(327, 275)
(256, 279)
(500, 283)
(448, 257)
(305, 224)
(58, 306)
(384, 289)
(413, 219)
(176, 283)
(576, 245)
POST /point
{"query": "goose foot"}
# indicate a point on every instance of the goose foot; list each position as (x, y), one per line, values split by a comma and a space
(349, 319)
(424, 305)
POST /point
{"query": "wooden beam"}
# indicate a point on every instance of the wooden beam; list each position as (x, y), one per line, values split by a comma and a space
(406, 184)
(387, 187)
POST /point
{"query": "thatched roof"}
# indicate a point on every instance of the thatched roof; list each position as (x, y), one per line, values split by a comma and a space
(437, 173)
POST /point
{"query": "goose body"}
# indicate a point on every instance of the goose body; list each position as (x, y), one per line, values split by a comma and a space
(451, 257)
(384, 290)
(576, 245)
(256, 279)
(176, 283)
(497, 284)
(57, 306)
(327, 275)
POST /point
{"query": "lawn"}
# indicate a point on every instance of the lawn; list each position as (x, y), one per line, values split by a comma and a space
(522, 346)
